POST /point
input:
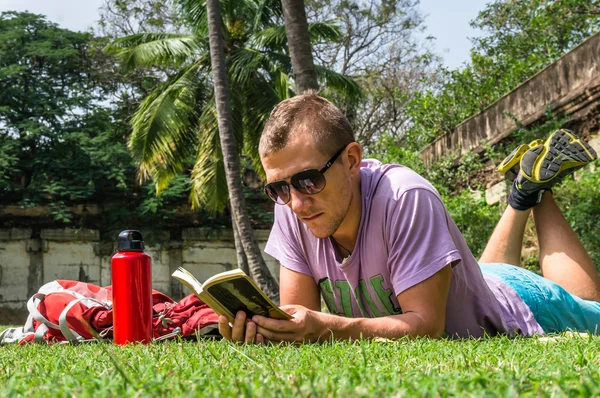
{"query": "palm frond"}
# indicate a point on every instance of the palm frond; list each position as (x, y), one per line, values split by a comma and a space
(329, 31)
(244, 61)
(275, 37)
(208, 191)
(282, 84)
(268, 12)
(272, 37)
(261, 98)
(209, 185)
(194, 13)
(156, 49)
(340, 83)
(164, 126)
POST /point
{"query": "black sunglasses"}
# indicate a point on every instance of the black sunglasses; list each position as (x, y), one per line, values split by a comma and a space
(309, 181)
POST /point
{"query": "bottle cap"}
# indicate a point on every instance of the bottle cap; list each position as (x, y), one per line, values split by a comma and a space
(130, 241)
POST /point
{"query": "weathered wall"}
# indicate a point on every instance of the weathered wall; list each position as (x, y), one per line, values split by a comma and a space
(28, 261)
(570, 86)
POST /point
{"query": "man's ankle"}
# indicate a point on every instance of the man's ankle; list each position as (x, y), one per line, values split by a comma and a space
(522, 201)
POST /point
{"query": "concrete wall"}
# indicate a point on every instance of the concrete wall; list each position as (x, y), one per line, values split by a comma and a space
(28, 261)
(569, 86)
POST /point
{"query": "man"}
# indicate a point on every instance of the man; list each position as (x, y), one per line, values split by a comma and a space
(377, 243)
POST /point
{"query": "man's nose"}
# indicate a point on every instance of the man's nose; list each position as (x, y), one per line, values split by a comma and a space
(299, 201)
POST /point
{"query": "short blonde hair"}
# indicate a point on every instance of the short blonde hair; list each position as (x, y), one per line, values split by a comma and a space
(306, 113)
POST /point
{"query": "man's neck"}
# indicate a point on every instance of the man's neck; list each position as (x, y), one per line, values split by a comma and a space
(347, 233)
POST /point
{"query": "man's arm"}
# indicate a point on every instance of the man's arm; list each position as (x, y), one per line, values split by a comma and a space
(297, 288)
(423, 307)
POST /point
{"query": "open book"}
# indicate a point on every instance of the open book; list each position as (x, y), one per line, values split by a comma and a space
(229, 292)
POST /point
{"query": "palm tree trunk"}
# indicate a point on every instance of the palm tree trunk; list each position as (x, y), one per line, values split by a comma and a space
(257, 265)
(239, 249)
(296, 27)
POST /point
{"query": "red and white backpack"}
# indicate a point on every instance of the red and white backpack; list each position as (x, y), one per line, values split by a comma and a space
(73, 311)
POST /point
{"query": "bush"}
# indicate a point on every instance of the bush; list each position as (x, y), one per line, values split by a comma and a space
(474, 218)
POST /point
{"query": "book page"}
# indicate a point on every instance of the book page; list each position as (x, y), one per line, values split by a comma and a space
(240, 294)
(189, 280)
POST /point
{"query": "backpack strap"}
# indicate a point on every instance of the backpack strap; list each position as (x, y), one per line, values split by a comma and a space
(39, 333)
(69, 333)
(32, 308)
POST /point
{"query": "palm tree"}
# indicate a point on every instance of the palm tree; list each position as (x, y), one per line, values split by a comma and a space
(175, 128)
(296, 27)
(232, 164)
(177, 122)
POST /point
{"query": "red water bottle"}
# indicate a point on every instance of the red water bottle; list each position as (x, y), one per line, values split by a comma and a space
(131, 290)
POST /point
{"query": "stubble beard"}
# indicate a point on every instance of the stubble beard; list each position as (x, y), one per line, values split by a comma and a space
(335, 223)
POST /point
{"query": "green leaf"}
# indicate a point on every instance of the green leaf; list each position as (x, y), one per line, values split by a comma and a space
(157, 49)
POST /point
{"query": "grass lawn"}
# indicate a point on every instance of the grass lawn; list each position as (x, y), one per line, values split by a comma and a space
(491, 367)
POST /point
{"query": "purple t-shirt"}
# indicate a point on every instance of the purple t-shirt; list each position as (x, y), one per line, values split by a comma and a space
(405, 236)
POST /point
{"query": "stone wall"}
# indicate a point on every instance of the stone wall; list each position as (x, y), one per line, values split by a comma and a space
(29, 259)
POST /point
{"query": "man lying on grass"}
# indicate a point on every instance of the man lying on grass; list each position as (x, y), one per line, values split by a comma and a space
(376, 241)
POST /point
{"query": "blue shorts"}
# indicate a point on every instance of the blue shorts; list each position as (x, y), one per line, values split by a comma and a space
(555, 309)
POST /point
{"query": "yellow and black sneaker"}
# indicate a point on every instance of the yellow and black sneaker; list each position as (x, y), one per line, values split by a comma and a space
(511, 164)
(544, 165)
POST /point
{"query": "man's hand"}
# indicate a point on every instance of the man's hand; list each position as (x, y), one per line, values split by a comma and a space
(243, 330)
(304, 327)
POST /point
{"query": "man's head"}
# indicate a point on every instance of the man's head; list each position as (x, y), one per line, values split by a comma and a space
(309, 115)
(298, 150)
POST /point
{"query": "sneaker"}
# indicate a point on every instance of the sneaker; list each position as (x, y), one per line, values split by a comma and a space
(511, 165)
(543, 166)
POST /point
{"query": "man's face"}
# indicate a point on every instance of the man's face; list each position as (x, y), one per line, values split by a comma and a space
(322, 212)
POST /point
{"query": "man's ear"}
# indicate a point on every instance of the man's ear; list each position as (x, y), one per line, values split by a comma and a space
(354, 151)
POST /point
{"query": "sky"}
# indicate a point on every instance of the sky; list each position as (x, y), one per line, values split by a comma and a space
(447, 21)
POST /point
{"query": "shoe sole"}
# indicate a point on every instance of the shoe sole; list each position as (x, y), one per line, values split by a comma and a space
(512, 159)
(561, 152)
(511, 164)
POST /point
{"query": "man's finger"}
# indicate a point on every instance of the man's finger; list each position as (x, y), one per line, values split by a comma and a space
(250, 332)
(274, 336)
(275, 325)
(239, 326)
(224, 327)
(260, 339)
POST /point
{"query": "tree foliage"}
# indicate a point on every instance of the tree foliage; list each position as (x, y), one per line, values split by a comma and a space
(520, 38)
(63, 131)
(175, 127)
(52, 126)
(380, 48)
(127, 17)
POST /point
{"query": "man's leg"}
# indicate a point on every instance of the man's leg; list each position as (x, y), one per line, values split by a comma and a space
(507, 239)
(563, 259)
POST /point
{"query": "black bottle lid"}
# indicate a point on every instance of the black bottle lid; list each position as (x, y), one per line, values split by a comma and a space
(130, 241)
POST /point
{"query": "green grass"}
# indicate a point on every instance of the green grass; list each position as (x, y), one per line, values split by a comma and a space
(488, 367)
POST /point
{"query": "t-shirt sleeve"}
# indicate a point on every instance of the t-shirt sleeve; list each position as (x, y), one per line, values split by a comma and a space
(419, 240)
(285, 241)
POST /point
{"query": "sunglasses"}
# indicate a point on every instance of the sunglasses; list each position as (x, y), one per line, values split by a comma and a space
(309, 181)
